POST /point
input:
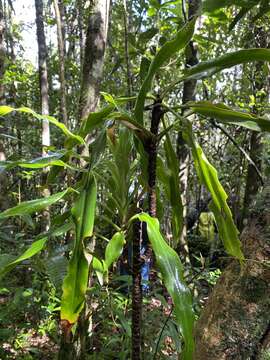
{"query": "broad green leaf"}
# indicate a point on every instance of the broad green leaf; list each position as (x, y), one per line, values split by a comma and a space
(182, 37)
(226, 115)
(209, 178)
(29, 207)
(35, 248)
(172, 274)
(76, 280)
(4, 110)
(208, 68)
(114, 248)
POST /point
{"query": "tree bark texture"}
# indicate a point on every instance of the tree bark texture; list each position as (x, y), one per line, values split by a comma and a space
(235, 322)
(43, 72)
(95, 45)
(182, 151)
(61, 51)
(136, 292)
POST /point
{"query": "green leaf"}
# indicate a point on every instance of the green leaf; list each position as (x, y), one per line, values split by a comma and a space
(175, 194)
(29, 207)
(99, 269)
(35, 248)
(209, 178)
(4, 110)
(213, 5)
(38, 163)
(76, 280)
(114, 248)
(172, 274)
(208, 68)
(95, 119)
(226, 115)
(182, 37)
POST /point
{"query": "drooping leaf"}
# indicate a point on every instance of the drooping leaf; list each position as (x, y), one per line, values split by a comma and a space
(29, 207)
(172, 274)
(38, 163)
(164, 54)
(35, 248)
(75, 282)
(4, 110)
(209, 178)
(208, 68)
(224, 114)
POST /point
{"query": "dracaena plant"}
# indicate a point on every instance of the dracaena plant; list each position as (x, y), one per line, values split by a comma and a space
(144, 148)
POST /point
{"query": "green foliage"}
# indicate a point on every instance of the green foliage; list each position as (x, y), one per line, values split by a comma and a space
(35, 248)
(76, 280)
(209, 178)
(172, 274)
(165, 53)
(32, 206)
(226, 115)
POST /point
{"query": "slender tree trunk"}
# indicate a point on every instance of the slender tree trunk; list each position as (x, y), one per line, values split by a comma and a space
(136, 339)
(95, 45)
(259, 83)
(151, 150)
(128, 71)
(43, 73)
(81, 30)
(3, 177)
(2, 53)
(182, 150)
(93, 61)
(44, 94)
(61, 51)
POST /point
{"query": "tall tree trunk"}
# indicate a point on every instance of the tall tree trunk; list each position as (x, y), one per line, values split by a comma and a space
(61, 51)
(92, 70)
(95, 45)
(43, 73)
(3, 177)
(81, 30)
(235, 322)
(44, 94)
(182, 151)
(259, 88)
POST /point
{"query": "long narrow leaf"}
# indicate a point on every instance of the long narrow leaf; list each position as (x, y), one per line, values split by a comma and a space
(209, 178)
(165, 53)
(35, 248)
(172, 274)
(208, 68)
(227, 115)
(4, 110)
(75, 282)
(175, 194)
(29, 207)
